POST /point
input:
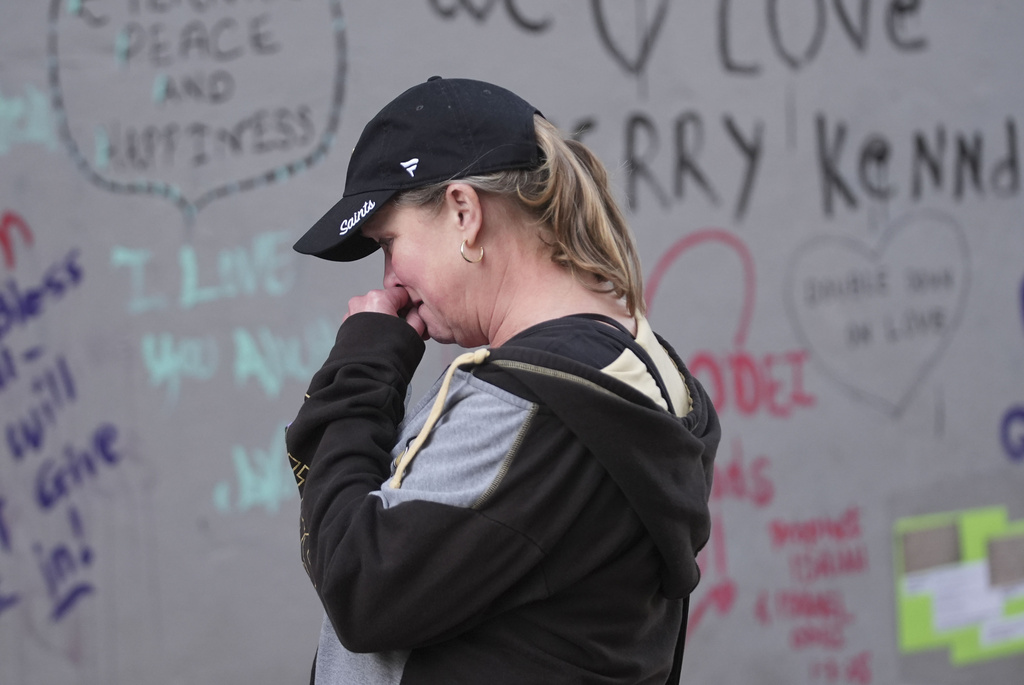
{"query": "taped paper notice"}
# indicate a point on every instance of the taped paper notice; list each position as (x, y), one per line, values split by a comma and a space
(961, 595)
(960, 584)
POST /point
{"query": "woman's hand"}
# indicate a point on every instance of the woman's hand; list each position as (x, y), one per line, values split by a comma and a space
(394, 301)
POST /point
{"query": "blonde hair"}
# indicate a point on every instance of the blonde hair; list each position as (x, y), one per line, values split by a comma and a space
(570, 199)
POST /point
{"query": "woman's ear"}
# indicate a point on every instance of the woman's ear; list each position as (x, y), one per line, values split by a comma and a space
(464, 207)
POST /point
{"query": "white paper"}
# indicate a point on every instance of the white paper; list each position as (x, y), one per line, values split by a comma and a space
(961, 594)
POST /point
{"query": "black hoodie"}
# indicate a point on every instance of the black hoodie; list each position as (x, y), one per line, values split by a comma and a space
(545, 532)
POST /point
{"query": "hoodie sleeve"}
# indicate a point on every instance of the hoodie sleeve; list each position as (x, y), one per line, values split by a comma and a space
(339, 443)
(358, 392)
(390, 575)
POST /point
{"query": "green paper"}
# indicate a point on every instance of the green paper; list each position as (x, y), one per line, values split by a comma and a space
(975, 529)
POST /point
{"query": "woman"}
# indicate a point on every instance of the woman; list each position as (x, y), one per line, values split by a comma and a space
(535, 519)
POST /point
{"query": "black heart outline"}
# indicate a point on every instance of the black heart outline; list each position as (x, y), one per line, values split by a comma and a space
(190, 208)
(894, 408)
(651, 32)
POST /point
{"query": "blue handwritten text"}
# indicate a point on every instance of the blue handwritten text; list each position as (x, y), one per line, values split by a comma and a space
(19, 306)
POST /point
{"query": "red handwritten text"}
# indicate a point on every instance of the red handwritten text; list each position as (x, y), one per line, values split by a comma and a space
(842, 529)
(828, 636)
(822, 617)
(807, 567)
(736, 480)
(9, 223)
(749, 383)
(856, 670)
(740, 381)
(814, 562)
(799, 604)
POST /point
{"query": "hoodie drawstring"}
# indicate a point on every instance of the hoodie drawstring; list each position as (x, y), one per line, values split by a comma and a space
(477, 357)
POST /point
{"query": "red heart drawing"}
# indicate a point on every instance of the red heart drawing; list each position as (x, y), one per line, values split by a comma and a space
(877, 319)
(703, 239)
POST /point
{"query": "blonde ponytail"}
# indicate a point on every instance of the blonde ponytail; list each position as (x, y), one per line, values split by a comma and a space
(569, 197)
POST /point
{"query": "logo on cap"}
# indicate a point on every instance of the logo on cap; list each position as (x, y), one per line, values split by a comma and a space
(410, 165)
(348, 224)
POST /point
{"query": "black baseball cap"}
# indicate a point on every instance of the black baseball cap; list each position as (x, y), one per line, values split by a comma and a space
(440, 130)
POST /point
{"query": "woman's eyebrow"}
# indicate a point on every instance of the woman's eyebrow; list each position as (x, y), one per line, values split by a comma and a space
(373, 230)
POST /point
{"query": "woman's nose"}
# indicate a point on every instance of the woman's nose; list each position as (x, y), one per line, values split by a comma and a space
(390, 279)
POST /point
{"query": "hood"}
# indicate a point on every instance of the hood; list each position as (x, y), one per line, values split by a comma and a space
(663, 464)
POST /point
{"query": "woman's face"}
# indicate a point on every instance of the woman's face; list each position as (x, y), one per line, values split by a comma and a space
(421, 255)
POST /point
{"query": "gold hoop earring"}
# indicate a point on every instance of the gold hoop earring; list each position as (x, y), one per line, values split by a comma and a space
(462, 251)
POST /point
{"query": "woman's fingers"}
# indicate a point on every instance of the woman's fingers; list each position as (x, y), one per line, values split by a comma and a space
(394, 301)
(387, 301)
(413, 318)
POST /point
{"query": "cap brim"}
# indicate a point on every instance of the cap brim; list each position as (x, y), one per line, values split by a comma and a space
(337, 236)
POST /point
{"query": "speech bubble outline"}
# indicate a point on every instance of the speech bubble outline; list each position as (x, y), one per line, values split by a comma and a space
(190, 208)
